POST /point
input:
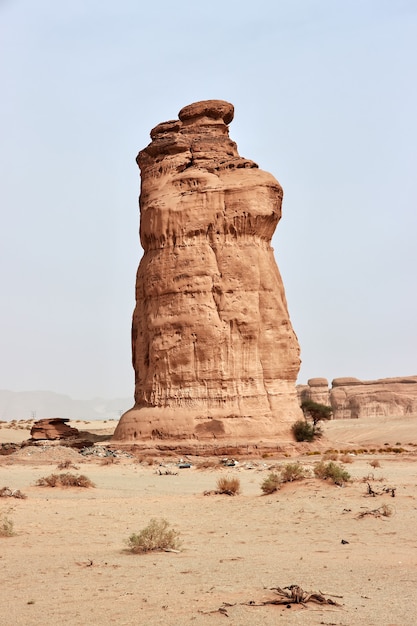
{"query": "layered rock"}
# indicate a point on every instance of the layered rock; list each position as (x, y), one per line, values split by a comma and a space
(53, 428)
(316, 390)
(351, 398)
(214, 352)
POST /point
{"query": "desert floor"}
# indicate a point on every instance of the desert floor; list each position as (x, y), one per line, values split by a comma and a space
(68, 561)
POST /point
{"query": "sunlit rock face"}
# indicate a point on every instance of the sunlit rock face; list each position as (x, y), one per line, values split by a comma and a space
(214, 352)
(353, 398)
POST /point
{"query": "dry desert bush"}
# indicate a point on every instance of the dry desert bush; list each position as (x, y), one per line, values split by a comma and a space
(346, 458)
(64, 480)
(331, 471)
(385, 510)
(67, 464)
(292, 471)
(156, 536)
(6, 525)
(271, 483)
(228, 486)
(375, 463)
(331, 455)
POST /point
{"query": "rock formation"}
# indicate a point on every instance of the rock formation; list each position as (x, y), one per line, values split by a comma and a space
(54, 428)
(316, 390)
(354, 398)
(214, 352)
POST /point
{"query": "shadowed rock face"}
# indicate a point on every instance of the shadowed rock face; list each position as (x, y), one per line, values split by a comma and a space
(214, 352)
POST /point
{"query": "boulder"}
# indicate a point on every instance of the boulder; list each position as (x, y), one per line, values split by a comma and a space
(53, 428)
(214, 352)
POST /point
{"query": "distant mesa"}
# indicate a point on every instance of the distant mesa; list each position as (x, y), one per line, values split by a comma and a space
(214, 352)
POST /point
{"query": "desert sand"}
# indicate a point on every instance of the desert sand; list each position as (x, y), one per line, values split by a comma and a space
(68, 561)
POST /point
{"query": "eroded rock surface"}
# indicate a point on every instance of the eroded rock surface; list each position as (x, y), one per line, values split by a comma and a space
(53, 428)
(214, 352)
(351, 398)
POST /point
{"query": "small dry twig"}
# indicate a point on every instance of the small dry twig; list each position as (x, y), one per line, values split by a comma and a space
(379, 492)
(293, 594)
(382, 511)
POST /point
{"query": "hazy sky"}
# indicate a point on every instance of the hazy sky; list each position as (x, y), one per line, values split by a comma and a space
(325, 96)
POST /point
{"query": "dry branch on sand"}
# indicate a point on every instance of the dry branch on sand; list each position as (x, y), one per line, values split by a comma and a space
(379, 492)
(293, 594)
(382, 511)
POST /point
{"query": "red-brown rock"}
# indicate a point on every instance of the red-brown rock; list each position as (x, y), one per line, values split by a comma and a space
(54, 428)
(213, 348)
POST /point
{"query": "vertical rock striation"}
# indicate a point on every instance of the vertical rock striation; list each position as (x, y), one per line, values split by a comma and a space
(214, 352)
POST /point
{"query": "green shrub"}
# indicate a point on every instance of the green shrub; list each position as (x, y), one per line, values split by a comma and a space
(331, 471)
(156, 536)
(291, 472)
(271, 483)
(316, 412)
(303, 431)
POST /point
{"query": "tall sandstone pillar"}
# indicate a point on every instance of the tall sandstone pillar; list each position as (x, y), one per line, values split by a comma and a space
(214, 352)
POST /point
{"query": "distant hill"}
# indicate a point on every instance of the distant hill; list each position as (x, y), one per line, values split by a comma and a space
(22, 405)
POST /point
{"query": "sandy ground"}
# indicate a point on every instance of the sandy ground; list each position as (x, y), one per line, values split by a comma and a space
(68, 561)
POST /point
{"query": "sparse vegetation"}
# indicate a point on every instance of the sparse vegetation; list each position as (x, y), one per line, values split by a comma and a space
(331, 455)
(303, 431)
(228, 486)
(67, 464)
(346, 458)
(64, 480)
(331, 471)
(291, 472)
(156, 536)
(390, 449)
(375, 463)
(385, 510)
(271, 483)
(6, 525)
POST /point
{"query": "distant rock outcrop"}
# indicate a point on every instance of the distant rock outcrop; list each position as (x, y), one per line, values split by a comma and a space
(54, 428)
(354, 398)
(213, 348)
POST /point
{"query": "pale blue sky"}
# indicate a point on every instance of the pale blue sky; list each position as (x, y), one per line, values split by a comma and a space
(325, 96)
